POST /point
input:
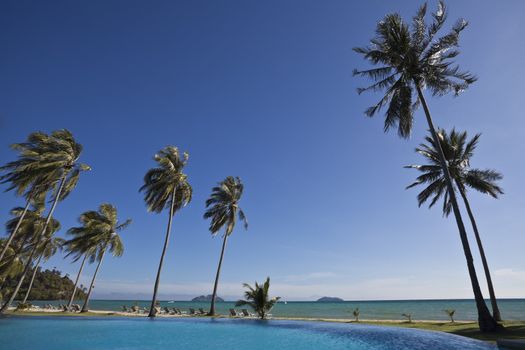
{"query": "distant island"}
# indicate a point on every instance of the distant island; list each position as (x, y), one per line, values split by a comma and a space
(206, 298)
(329, 300)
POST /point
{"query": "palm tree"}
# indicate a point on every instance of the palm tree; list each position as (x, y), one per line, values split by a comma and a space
(32, 186)
(356, 314)
(258, 298)
(411, 60)
(100, 230)
(166, 186)
(46, 251)
(223, 208)
(457, 153)
(81, 247)
(53, 160)
(450, 313)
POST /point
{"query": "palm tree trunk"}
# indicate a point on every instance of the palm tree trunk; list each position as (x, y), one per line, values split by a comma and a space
(86, 302)
(15, 231)
(495, 310)
(76, 282)
(485, 320)
(166, 241)
(32, 279)
(34, 250)
(214, 295)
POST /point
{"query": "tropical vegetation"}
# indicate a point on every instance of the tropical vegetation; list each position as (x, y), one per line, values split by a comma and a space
(97, 235)
(258, 298)
(411, 60)
(458, 153)
(223, 209)
(51, 160)
(49, 284)
(166, 186)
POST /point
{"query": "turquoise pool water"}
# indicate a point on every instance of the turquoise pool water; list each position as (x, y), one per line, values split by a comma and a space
(79, 333)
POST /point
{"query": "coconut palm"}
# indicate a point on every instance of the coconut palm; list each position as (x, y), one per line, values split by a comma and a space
(45, 252)
(356, 314)
(223, 209)
(32, 186)
(410, 61)
(53, 160)
(80, 247)
(450, 313)
(166, 186)
(258, 298)
(457, 153)
(98, 229)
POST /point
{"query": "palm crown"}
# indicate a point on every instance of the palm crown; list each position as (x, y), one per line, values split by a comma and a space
(98, 232)
(167, 184)
(31, 224)
(223, 205)
(258, 298)
(458, 152)
(43, 160)
(410, 58)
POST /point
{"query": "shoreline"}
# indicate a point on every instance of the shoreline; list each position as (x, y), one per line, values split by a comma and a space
(513, 329)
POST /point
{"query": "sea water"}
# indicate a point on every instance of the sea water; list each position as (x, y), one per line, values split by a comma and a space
(511, 309)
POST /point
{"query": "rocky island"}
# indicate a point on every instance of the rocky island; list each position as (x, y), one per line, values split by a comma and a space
(329, 300)
(202, 298)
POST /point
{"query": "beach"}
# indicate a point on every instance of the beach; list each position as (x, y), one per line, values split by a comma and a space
(382, 310)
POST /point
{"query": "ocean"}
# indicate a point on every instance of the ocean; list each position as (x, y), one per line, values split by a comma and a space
(511, 309)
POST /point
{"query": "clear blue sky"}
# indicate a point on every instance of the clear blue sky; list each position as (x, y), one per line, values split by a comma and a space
(264, 90)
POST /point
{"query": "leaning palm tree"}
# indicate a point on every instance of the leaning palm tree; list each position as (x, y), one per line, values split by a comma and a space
(223, 209)
(46, 251)
(98, 229)
(457, 153)
(53, 160)
(258, 298)
(32, 186)
(411, 60)
(80, 247)
(166, 186)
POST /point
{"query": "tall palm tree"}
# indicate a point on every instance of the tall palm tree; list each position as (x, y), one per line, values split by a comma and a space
(81, 247)
(411, 60)
(53, 159)
(98, 229)
(258, 298)
(166, 186)
(457, 153)
(46, 251)
(223, 208)
(33, 187)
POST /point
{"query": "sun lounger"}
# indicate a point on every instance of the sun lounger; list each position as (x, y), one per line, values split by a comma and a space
(234, 313)
(192, 311)
(245, 313)
(202, 312)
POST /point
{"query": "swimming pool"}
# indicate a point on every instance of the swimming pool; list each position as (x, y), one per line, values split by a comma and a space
(58, 333)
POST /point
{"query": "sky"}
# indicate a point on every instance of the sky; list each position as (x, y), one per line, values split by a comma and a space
(264, 90)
